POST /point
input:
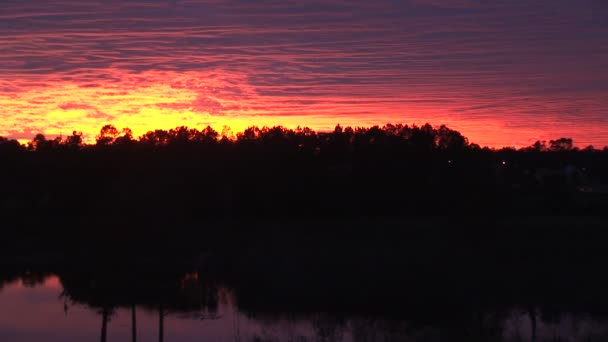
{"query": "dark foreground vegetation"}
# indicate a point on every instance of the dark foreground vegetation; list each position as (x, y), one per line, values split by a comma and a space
(394, 170)
(184, 190)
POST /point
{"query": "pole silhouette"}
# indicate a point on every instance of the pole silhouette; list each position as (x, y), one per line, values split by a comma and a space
(133, 324)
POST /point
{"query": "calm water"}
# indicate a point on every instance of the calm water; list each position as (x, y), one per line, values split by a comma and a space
(46, 309)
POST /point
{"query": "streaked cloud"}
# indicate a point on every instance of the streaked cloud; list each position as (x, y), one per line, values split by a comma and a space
(504, 72)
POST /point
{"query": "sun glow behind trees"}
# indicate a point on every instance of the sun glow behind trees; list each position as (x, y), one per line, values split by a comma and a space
(147, 106)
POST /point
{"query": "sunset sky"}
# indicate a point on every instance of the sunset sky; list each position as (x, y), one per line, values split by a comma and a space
(503, 72)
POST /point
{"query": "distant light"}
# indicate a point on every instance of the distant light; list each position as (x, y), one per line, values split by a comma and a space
(504, 162)
(449, 161)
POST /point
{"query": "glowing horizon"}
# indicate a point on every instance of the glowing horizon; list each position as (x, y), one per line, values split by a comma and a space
(505, 73)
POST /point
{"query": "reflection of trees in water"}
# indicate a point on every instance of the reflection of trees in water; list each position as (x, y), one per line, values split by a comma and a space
(133, 323)
(176, 292)
(475, 326)
(163, 293)
(186, 295)
(513, 325)
(524, 325)
(328, 328)
(105, 317)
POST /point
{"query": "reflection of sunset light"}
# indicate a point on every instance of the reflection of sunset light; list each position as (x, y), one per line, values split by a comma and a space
(50, 281)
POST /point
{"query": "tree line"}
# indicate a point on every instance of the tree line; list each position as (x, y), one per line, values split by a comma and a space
(274, 171)
(424, 137)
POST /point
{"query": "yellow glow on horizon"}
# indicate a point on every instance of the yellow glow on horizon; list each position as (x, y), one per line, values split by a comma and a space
(164, 100)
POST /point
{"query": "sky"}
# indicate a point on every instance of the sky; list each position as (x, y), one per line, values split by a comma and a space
(502, 72)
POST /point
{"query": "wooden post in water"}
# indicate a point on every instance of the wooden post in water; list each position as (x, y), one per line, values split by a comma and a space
(104, 324)
(161, 324)
(133, 324)
(532, 314)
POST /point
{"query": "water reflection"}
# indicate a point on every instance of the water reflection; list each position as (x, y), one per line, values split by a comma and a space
(133, 306)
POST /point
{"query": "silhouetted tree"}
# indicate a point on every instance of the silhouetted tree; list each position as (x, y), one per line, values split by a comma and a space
(423, 138)
(249, 134)
(74, 140)
(589, 148)
(538, 146)
(7, 145)
(126, 137)
(209, 135)
(158, 137)
(110, 135)
(38, 142)
(107, 135)
(449, 139)
(562, 144)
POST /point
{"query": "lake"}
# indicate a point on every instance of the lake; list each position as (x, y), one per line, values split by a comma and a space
(79, 307)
